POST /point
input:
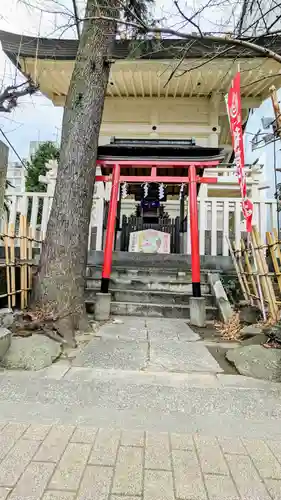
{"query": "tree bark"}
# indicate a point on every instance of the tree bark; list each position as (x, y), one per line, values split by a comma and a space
(59, 284)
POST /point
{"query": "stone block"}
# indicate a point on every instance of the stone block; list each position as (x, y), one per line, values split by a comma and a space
(37, 432)
(96, 483)
(71, 467)
(4, 492)
(197, 311)
(31, 353)
(274, 488)
(163, 329)
(85, 434)
(180, 356)
(105, 448)
(110, 353)
(132, 438)
(222, 301)
(117, 497)
(9, 435)
(188, 477)
(182, 441)
(59, 495)
(256, 361)
(128, 475)
(102, 306)
(275, 446)
(220, 488)
(128, 330)
(14, 464)
(255, 340)
(210, 456)
(5, 341)
(158, 485)
(249, 314)
(246, 478)
(157, 451)
(232, 446)
(263, 458)
(250, 331)
(33, 482)
(6, 317)
(55, 443)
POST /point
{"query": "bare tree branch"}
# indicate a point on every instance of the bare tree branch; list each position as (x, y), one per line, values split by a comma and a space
(274, 75)
(223, 39)
(11, 94)
(187, 18)
(215, 56)
(179, 62)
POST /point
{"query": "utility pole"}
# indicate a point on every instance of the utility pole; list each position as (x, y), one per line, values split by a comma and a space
(276, 109)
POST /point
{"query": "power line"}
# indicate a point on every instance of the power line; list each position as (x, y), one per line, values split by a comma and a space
(76, 17)
(12, 147)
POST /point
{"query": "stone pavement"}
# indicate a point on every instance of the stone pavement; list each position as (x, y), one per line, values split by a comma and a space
(120, 425)
(65, 462)
(151, 344)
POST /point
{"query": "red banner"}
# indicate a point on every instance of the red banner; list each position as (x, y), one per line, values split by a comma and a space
(235, 118)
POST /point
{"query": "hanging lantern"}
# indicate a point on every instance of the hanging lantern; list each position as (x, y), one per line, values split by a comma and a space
(181, 191)
(161, 191)
(124, 190)
(145, 189)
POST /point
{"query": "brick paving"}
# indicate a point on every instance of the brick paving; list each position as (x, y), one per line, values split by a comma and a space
(56, 462)
(208, 436)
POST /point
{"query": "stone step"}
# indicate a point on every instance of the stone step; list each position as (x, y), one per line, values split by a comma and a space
(148, 296)
(176, 262)
(147, 273)
(152, 310)
(157, 310)
(147, 283)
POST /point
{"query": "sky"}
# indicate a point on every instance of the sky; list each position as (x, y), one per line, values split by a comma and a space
(35, 118)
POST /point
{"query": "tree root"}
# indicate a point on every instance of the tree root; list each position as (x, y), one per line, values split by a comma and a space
(32, 322)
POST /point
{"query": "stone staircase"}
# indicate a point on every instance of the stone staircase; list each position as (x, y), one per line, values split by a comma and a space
(150, 292)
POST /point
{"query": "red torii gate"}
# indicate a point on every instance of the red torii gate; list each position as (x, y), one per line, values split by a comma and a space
(191, 178)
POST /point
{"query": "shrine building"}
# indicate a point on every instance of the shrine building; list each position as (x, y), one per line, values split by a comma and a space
(165, 180)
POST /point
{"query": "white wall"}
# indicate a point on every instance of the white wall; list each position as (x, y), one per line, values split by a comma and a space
(181, 118)
(16, 176)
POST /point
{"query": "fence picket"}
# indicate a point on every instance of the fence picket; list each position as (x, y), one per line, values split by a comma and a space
(225, 227)
(202, 226)
(215, 215)
(214, 235)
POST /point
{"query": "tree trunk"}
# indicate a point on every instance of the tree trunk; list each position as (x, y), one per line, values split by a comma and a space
(59, 284)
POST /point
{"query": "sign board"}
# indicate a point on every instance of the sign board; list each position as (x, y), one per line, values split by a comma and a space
(149, 241)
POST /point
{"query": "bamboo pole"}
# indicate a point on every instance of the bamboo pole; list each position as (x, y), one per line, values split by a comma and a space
(25, 265)
(22, 304)
(275, 233)
(7, 260)
(263, 269)
(249, 268)
(244, 278)
(29, 256)
(240, 277)
(258, 281)
(13, 264)
(272, 246)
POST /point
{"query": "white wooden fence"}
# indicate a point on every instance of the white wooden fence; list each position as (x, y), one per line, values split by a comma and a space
(217, 216)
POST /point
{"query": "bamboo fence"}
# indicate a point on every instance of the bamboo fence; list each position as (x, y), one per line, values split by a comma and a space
(18, 262)
(258, 268)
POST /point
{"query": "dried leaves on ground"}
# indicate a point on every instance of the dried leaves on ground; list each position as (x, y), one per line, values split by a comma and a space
(230, 330)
